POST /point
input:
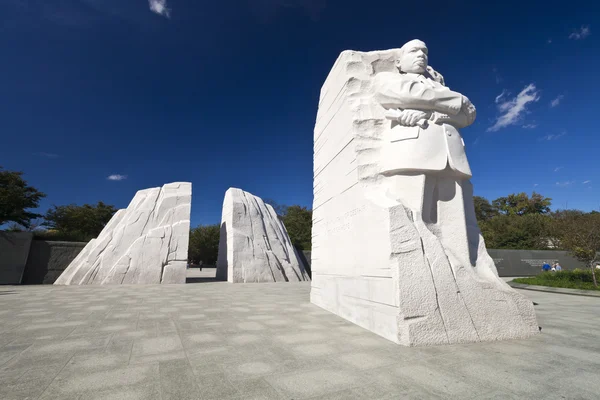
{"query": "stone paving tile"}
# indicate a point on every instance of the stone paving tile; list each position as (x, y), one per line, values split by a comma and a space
(264, 342)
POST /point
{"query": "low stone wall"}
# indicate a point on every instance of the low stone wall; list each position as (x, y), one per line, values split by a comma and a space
(14, 251)
(31, 262)
(518, 262)
(529, 262)
(48, 259)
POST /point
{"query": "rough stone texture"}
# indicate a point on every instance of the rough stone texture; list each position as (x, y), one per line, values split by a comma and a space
(375, 260)
(238, 342)
(254, 245)
(14, 250)
(145, 243)
(48, 259)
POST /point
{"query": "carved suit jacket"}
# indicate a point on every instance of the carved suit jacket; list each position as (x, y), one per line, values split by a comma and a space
(417, 149)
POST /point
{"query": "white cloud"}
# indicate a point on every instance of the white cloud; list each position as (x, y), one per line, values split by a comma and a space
(581, 33)
(529, 126)
(564, 183)
(513, 109)
(586, 182)
(116, 177)
(160, 7)
(556, 101)
(553, 136)
(501, 96)
(558, 169)
(536, 184)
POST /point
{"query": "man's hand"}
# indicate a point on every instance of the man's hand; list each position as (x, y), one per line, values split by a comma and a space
(468, 109)
(411, 117)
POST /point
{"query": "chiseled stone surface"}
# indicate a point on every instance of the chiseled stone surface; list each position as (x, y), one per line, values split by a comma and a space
(145, 243)
(237, 342)
(254, 245)
(396, 247)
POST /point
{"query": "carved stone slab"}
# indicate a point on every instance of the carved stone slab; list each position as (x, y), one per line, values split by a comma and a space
(145, 243)
(254, 245)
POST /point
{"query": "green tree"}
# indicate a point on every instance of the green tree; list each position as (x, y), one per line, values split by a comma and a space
(280, 209)
(84, 222)
(522, 204)
(483, 209)
(16, 197)
(579, 233)
(298, 222)
(204, 244)
(524, 232)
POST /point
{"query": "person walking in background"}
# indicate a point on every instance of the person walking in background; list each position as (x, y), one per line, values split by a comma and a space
(546, 267)
(557, 267)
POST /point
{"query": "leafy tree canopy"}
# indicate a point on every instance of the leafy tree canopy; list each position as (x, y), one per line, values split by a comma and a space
(298, 222)
(204, 244)
(522, 204)
(86, 221)
(483, 208)
(579, 233)
(16, 197)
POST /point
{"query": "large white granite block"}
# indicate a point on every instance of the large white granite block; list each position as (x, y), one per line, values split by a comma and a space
(396, 247)
(145, 243)
(254, 245)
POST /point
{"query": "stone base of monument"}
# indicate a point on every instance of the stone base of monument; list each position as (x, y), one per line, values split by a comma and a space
(396, 248)
(143, 244)
(254, 245)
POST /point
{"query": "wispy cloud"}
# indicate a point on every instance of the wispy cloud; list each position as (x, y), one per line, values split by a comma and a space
(558, 169)
(554, 136)
(536, 184)
(512, 110)
(556, 101)
(586, 182)
(564, 183)
(581, 33)
(529, 126)
(47, 155)
(501, 96)
(116, 177)
(160, 7)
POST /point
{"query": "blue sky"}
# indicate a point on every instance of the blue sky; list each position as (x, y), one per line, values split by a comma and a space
(224, 94)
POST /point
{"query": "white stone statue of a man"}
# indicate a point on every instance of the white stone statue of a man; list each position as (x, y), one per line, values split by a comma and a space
(396, 247)
(425, 160)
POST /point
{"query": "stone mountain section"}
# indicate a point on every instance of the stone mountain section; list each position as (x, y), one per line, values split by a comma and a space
(147, 243)
(254, 245)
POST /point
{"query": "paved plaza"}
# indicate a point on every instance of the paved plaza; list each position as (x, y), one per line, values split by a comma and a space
(214, 340)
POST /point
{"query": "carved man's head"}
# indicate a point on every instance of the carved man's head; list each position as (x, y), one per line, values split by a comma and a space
(413, 57)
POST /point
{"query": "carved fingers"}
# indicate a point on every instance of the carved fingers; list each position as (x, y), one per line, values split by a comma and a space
(411, 117)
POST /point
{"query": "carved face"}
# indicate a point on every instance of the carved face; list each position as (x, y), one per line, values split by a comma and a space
(414, 57)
